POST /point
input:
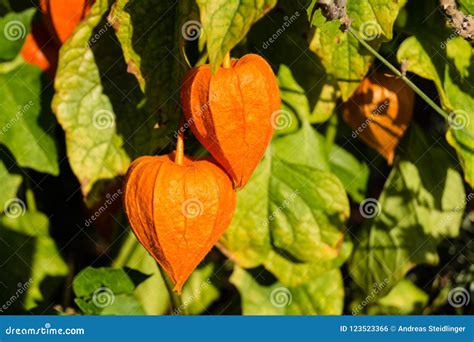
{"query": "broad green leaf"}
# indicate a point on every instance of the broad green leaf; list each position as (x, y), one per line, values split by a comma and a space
(280, 38)
(467, 6)
(226, 22)
(199, 291)
(107, 291)
(30, 258)
(311, 147)
(150, 34)
(10, 185)
(420, 204)
(323, 295)
(13, 29)
(293, 273)
(123, 304)
(341, 54)
(307, 211)
(449, 69)
(99, 105)
(404, 299)
(353, 173)
(151, 293)
(27, 127)
(300, 207)
(248, 237)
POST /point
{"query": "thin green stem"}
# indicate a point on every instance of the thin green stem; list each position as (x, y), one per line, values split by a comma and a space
(331, 129)
(413, 86)
(177, 306)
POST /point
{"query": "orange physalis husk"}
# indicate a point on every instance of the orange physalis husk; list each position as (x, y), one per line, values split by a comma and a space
(178, 212)
(233, 112)
(40, 50)
(379, 112)
(62, 16)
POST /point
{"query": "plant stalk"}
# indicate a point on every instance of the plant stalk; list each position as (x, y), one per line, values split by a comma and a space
(226, 62)
(413, 86)
(179, 155)
(177, 306)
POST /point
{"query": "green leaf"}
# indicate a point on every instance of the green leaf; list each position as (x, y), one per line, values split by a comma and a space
(151, 293)
(305, 89)
(29, 257)
(323, 295)
(300, 208)
(107, 291)
(449, 69)
(199, 291)
(311, 147)
(226, 22)
(467, 6)
(27, 129)
(248, 237)
(341, 54)
(420, 204)
(99, 105)
(151, 36)
(353, 173)
(294, 273)
(13, 29)
(10, 185)
(404, 299)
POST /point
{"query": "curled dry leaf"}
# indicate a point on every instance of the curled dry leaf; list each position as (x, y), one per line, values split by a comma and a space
(62, 17)
(178, 212)
(379, 112)
(233, 112)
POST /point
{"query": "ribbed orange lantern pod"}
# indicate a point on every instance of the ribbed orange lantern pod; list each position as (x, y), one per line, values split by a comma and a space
(232, 112)
(178, 209)
(379, 112)
(62, 16)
